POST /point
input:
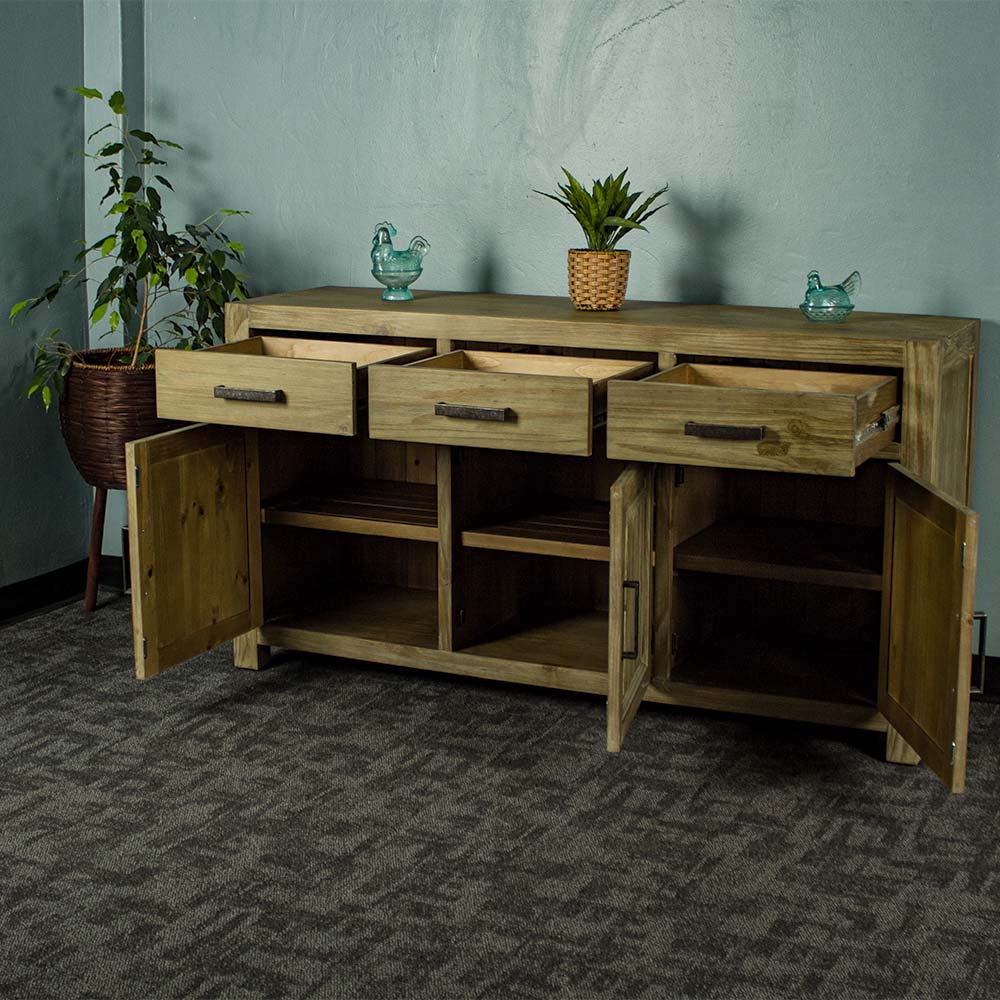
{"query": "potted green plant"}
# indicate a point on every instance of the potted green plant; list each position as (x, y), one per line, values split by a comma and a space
(163, 288)
(598, 275)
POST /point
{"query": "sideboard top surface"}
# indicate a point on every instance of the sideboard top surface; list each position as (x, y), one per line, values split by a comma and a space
(748, 331)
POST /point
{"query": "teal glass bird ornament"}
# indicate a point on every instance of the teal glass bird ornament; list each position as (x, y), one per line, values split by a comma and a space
(396, 269)
(829, 303)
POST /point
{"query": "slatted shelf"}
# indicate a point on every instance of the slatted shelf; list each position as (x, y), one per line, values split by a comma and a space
(835, 555)
(364, 507)
(569, 528)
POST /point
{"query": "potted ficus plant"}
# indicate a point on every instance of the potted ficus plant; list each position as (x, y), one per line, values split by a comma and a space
(163, 287)
(598, 275)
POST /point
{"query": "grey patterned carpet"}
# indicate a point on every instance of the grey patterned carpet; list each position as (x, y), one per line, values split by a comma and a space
(333, 830)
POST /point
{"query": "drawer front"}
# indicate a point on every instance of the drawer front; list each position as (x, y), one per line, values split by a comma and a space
(255, 391)
(750, 428)
(477, 409)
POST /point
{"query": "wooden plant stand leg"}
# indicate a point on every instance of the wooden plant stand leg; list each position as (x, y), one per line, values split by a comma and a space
(897, 750)
(96, 541)
(248, 653)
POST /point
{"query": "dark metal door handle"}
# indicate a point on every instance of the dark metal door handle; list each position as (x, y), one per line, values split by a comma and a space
(724, 432)
(250, 395)
(499, 414)
(633, 653)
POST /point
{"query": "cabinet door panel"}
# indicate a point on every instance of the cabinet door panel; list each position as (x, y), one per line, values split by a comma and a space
(194, 517)
(927, 606)
(630, 598)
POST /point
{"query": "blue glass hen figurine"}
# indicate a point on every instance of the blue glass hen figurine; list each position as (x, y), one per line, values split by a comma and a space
(829, 303)
(396, 268)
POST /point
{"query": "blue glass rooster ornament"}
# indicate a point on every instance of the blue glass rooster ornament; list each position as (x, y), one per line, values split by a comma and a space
(396, 269)
(829, 303)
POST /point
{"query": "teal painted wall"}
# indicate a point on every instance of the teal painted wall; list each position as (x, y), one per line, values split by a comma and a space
(793, 135)
(44, 505)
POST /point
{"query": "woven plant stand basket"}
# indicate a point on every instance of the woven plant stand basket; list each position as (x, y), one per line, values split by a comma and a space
(103, 405)
(597, 278)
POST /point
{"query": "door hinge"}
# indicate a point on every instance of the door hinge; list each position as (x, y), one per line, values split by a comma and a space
(678, 475)
(137, 476)
(963, 555)
(952, 759)
(145, 649)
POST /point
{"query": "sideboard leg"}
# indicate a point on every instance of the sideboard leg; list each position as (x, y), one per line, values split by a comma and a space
(248, 653)
(897, 750)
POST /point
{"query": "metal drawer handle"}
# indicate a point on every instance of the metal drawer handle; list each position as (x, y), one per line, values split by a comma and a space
(633, 653)
(499, 414)
(724, 432)
(250, 395)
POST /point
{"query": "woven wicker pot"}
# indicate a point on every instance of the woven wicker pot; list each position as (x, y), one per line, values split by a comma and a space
(104, 404)
(597, 278)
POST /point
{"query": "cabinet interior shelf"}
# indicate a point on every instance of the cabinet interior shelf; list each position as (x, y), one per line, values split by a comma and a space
(404, 615)
(834, 555)
(789, 666)
(364, 507)
(559, 638)
(569, 528)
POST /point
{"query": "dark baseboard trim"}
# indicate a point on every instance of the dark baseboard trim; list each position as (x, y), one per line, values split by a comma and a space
(19, 600)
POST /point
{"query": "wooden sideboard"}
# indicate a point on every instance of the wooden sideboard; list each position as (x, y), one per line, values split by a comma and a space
(722, 507)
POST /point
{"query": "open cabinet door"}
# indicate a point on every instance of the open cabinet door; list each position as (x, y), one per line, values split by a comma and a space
(630, 598)
(194, 523)
(929, 574)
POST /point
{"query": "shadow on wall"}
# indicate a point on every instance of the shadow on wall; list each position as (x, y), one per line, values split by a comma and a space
(484, 266)
(702, 279)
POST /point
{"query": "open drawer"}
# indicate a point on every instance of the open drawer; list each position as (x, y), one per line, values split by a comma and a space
(285, 383)
(826, 423)
(486, 399)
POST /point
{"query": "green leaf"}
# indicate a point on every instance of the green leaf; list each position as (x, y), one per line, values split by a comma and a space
(145, 136)
(164, 181)
(140, 241)
(46, 396)
(110, 149)
(235, 246)
(108, 245)
(115, 320)
(98, 131)
(614, 220)
(117, 103)
(172, 145)
(17, 307)
(98, 314)
(191, 276)
(133, 184)
(88, 92)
